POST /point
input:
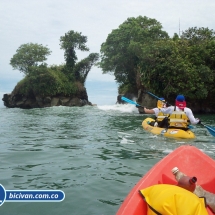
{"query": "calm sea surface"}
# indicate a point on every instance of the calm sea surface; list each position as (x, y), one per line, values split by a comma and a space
(94, 154)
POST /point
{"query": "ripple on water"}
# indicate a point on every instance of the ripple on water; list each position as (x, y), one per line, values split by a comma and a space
(94, 155)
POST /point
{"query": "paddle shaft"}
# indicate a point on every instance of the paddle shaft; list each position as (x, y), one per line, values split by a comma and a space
(157, 97)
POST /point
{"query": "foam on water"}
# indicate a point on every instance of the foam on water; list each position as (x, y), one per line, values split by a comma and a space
(125, 108)
(126, 141)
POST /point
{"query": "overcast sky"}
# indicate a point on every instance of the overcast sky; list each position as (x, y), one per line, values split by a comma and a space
(45, 21)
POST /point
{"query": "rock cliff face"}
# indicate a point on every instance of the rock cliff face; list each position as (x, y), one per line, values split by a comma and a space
(16, 100)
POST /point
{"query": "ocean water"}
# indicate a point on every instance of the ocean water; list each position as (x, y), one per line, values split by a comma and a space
(94, 154)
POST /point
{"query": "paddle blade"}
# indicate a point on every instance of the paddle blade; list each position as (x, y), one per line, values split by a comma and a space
(129, 101)
(211, 130)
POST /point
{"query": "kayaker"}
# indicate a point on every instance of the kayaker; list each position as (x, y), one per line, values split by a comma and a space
(161, 119)
(180, 115)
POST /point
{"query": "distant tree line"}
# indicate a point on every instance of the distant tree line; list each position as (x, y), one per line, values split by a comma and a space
(141, 55)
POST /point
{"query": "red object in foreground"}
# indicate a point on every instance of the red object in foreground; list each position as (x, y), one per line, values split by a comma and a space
(189, 160)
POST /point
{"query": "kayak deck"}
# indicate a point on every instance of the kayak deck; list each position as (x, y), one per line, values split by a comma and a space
(170, 132)
(189, 160)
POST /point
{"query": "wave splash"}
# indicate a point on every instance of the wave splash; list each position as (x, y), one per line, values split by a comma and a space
(125, 108)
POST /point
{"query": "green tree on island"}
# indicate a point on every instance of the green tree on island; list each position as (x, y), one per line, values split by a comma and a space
(29, 55)
(69, 42)
(119, 51)
(41, 79)
(76, 71)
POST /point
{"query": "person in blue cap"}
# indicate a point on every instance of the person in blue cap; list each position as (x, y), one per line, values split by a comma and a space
(180, 115)
(160, 118)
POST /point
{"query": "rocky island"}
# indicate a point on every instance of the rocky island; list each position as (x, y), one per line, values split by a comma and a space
(55, 85)
(19, 100)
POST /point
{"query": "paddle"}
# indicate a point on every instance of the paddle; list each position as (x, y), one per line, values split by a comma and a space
(158, 98)
(130, 101)
(209, 128)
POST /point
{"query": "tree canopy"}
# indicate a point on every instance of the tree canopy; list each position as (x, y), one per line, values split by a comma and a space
(185, 65)
(46, 80)
(138, 53)
(141, 55)
(119, 51)
(74, 70)
(83, 67)
(29, 55)
(69, 42)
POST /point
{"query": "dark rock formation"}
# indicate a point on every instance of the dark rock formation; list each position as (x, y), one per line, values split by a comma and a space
(14, 100)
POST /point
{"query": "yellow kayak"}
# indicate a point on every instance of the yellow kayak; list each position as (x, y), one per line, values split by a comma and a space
(170, 132)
